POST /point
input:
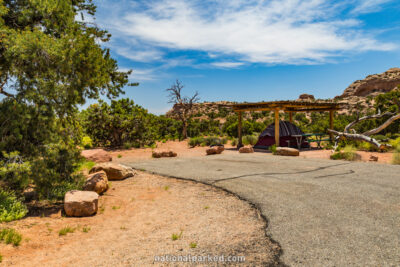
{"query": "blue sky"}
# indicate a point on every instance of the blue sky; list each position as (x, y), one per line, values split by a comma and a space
(249, 50)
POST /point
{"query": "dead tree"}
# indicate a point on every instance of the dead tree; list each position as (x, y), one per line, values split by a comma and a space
(366, 135)
(183, 106)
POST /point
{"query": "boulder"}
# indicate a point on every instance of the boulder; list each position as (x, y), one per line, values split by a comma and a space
(164, 154)
(80, 203)
(97, 182)
(287, 151)
(220, 149)
(96, 155)
(211, 151)
(373, 158)
(114, 171)
(246, 149)
(308, 97)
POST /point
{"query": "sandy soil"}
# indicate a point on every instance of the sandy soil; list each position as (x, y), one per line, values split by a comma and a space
(183, 151)
(181, 148)
(135, 222)
(365, 156)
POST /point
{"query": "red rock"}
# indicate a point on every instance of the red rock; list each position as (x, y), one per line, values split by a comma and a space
(96, 155)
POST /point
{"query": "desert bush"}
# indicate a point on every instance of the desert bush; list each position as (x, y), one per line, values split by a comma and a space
(348, 153)
(212, 141)
(14, 172)
(395, 142)
(55, 172)
(365, 146)
(10, 236)
(234, 142)
(195, 141)
(396, 156)
(10, 207)
(87, 142)
(250, 140)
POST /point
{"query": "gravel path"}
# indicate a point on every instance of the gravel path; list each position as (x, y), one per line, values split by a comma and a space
(321, 212)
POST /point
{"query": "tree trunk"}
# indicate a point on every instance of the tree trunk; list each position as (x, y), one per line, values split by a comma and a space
(184, 130)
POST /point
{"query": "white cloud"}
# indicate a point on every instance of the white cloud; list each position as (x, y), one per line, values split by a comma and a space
(139, 55)
(227, 64)
(256, 31)
(139, 75)
(367, 6)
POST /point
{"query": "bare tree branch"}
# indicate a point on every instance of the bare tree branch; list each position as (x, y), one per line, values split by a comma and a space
(356, 137)
(376, 116)
(383, 126)
(183, 106)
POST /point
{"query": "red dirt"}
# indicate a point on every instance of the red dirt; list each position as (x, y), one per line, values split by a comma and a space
(183, 151)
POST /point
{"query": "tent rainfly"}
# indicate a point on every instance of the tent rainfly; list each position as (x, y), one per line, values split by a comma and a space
(285, 106)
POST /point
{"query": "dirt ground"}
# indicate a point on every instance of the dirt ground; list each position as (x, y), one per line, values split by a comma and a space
(136, 220)
(183, 151)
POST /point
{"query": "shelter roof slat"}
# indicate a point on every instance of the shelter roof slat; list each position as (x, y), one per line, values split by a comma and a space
(295, 106)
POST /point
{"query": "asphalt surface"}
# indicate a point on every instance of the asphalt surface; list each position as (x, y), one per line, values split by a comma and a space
(321, 212)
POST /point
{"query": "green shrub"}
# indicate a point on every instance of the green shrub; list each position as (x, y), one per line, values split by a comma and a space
(348, 153)
(10, 236)
(87, 142)
(85, 165)
(250, 140)
(365, 146)
(212, 141)
(55, 172)
(14, 172)
(234, 142)
(396, 156)
(273, 149)
(195, 141)
(10, 207)
(395, 142)
(66, 230)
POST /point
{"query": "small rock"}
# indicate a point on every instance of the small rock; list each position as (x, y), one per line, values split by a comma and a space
(97, 182)
(246, 149)
(287, 151)
(114, 171)
(373, 158)
(164, 154)
(211, 151)
(96, 155)
(80, 203)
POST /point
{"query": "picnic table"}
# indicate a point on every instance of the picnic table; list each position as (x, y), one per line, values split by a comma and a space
(318, 138)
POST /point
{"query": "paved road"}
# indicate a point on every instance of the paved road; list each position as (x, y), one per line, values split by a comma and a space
(321, 212)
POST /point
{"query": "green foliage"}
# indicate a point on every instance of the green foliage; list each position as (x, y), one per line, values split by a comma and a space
(85, 165)
(395, 142)
(365, 146)
(195, 141)
(396, 156)
(14, 172)
(87, 142)
(273, 149)
(120, 123)
(176, 236)
(55, 172)
(250, 140)
(66, 230)
(234, 142)
(53, 59)
(348, 153)
(10, 207)
(10, 236)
